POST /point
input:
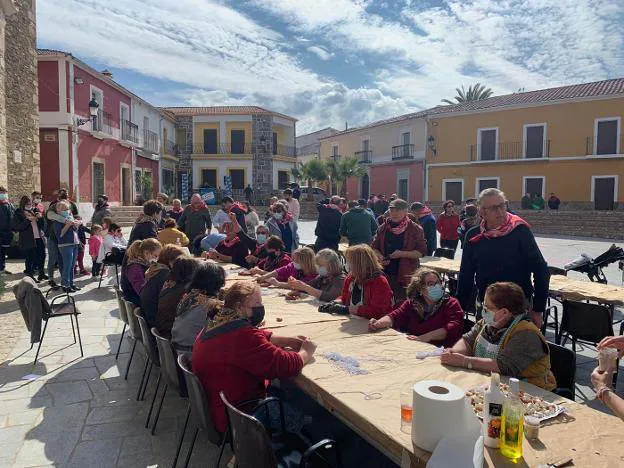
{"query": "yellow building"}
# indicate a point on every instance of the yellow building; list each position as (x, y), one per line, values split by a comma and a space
(565, 140)
(249, 144)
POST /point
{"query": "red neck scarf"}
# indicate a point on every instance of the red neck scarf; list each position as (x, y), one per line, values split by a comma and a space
(238, 205)
(231, 242)
(510, 223)
(287, 218)
(177, 210)
(424, 211)
(195, 209)
(398, 229)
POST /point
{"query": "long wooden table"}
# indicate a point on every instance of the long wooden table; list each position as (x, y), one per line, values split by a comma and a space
(590, 437)
(560, 286)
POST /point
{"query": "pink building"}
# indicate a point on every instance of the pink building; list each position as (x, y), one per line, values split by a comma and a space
(91, 155)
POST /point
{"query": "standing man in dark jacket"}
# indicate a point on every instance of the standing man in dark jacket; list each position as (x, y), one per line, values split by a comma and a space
(328, 224)
(196, 221)
(102, 210)
(358, 225)
(423, 215)
(553, 202)
(502, 248)
(6, 227)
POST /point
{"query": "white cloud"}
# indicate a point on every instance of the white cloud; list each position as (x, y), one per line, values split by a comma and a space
(320, 52)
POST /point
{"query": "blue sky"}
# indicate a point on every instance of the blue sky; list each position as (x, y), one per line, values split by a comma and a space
(327, 62)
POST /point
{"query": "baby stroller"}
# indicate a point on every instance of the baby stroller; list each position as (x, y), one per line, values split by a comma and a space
(592, 267)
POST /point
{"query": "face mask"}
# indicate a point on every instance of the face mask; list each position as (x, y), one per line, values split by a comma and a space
(488, 316)
(4, 196)
(261, 238)
(66, 214)
(257, 315)
(296, 266)
(435, 292)
(278, 216)
(322, 271)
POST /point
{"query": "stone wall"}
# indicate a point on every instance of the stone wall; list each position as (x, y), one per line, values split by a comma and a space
(3, 143)
(262, 168)
(22, 114)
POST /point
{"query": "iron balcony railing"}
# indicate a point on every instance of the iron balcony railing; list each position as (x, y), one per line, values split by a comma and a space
(150, 141)
(102, 122)
(595, 146)
(364, 156)
(171, 148)
(285, 150)
(222, 148)
(129, 131)
(403, 152)
(506, 151)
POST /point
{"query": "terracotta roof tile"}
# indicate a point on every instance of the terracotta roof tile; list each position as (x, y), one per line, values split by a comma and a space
(223, 110)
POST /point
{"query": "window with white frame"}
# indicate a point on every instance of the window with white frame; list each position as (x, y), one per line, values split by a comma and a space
(487, 144)
(534, 184)
(535, 145)
(607, 135)
(486, 183)
(335, 153)
(453, 189)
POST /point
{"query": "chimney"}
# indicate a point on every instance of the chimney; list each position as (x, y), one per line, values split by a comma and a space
(107, 73)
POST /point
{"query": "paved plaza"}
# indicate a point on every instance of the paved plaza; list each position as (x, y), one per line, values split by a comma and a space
(80, 412)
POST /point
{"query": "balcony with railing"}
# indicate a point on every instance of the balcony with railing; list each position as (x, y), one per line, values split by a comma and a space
(171, 148)
(129, 131)
(150, 141)
(208, 148)
(285, 150)
(509, 151)
(595, 146)
(102, 122)
(403, 152)
(364, 156)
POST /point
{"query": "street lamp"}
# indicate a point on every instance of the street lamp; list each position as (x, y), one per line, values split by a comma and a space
(93, 111)
(431, 144)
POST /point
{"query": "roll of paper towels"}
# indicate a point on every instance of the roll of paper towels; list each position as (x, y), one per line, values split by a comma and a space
(437, 408)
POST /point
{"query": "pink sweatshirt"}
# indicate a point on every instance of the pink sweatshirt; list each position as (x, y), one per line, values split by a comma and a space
(283, 273)
(94, 245)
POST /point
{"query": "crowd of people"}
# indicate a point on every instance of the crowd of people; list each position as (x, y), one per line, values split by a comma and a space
(503, 277)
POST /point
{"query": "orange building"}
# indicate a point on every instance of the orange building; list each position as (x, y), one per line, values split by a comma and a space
(565, 140)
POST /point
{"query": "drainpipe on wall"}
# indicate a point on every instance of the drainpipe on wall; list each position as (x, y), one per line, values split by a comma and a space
(74, 176)
(426, 168)
(160, 155)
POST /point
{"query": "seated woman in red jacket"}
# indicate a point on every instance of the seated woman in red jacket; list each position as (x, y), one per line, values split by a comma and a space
(230, 249)
(366, 291)
(233, 356)
(428, 314)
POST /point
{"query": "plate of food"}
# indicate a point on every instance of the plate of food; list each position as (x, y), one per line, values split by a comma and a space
(533, 406)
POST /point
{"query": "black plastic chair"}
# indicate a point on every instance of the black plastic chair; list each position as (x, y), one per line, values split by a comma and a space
(168, 371)
(151, 351)
(563, 366)
(112, 259)
(123, 315)
(254, 448)
(585, 323)
(443, 252)
(59, 309)
(135, 333)
(199, 408)
(554, 310)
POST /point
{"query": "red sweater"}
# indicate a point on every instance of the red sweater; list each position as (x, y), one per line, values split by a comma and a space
(377, 297)
(447, 226)
(239, 363)
(450, 316)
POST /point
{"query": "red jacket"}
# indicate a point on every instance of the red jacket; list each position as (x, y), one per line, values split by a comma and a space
(239, 362)
(447, 226)
(377, 297)
(449, 316)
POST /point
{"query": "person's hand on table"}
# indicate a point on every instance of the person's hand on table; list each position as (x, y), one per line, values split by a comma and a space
(449, 358)
(308, 346)
(601, 378)
(251, 259)
(293, 295)
(291, 342)
(414, 338)
(616, 342)
(296, 284)
(375, 325)
(245, 273)
(269, 281)
(396, 254)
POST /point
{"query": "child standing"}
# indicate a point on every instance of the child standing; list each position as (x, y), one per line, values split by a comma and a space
(95, 241)
(82, 237)
(114, 238)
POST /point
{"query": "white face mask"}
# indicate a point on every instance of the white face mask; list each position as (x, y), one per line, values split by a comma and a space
(322, 271)
(488, 316)
(296, 266)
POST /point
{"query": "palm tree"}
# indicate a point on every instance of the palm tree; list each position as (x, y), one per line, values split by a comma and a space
(312, 171)
(342, 170)
(474, 93)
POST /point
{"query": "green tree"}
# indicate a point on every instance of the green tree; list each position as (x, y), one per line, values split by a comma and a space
(342, 169)
(312, 171)
(474, 93)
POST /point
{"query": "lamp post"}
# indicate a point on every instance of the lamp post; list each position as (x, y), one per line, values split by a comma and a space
(93, 111)
(431, 144)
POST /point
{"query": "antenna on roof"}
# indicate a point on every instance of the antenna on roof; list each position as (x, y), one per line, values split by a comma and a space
(346, 125)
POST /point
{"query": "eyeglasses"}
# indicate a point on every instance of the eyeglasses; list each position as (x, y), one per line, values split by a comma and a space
(499, 207)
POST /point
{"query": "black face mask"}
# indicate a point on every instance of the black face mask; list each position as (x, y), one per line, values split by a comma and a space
(257, 315)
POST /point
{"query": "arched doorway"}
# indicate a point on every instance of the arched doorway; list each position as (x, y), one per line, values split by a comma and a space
(365, 187)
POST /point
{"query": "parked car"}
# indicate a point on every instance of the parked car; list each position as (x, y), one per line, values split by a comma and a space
(318, 194)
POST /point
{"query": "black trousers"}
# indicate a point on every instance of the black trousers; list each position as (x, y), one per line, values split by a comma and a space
(449, 244)
(35, 257)
(322, 243)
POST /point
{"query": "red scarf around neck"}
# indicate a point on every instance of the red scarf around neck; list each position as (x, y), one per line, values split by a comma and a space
(287, 218)
(231, 242)
(424, 211)
(511, 222)
(398, 229)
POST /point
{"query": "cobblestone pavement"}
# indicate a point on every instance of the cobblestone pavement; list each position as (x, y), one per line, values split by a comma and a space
(81, 412)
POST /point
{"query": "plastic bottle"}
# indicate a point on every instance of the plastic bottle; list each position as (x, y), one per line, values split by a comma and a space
(493, 412)
(178, 241)
(512, 423)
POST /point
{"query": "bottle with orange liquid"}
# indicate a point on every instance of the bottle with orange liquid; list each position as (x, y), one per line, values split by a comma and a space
(512, 423)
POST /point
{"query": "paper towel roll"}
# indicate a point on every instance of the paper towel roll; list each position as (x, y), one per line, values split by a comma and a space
(437, 408)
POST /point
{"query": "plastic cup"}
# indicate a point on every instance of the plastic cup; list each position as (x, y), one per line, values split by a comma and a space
(607, 359)
(531, 427)
(406, 411)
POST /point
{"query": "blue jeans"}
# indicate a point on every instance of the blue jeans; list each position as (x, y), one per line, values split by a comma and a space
(68, 255)
(54, 257)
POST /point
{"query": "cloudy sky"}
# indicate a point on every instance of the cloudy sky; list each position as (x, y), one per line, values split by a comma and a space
(328, 62)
